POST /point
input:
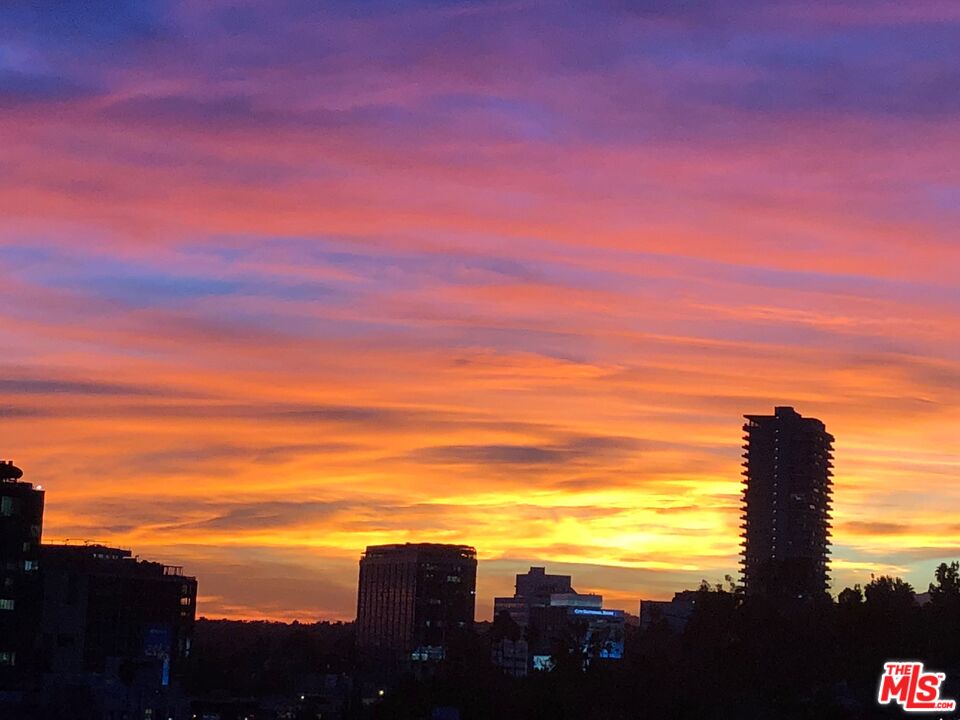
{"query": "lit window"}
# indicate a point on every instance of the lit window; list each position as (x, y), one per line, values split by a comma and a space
(184, 601)
(6, 604)
(6, 505)
(8, 658)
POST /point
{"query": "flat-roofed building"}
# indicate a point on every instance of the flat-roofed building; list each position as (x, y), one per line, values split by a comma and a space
(534, 588)
(115, 628)
(413, 599)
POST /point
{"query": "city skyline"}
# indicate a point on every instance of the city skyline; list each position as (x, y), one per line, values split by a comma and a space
(760, 463)
(281, 283)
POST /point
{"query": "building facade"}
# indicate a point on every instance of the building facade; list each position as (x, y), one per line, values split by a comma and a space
(414, 599)
(547, 621)
(582, 635)
(115, 630)
(786, 506)
(21, 526)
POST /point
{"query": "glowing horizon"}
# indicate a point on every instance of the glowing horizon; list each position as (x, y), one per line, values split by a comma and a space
(279, 282)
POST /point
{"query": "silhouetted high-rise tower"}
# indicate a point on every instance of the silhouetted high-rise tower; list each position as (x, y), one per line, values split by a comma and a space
(21, 523)
(786, 537)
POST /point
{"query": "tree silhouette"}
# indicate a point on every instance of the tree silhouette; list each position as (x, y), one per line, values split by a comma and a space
(889, 593)
(946, 590)
(850, 596)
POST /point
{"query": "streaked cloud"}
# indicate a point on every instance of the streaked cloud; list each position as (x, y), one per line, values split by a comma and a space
(280, 280)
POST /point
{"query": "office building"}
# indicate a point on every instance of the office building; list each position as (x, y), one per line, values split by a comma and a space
(547, 618)
(415, 599)
(786, 506)
(115, 630)
(21, 525)
(582, 634)
(533, 589)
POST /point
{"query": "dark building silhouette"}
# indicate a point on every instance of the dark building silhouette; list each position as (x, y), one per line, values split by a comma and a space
(533, 589)
(115, 630)
(587, 633)
(786, 504)
(21, 525)
(546, 618)
(413, 599)
(676, 613)
(102, 603)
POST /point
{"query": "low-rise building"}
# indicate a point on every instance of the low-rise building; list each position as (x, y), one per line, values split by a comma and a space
(675, 613)
(115, 630)
(547, 620)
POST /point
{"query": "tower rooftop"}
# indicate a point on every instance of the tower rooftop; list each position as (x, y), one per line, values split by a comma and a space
(9, 472)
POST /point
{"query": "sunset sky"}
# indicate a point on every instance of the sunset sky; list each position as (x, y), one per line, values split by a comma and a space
(282, 279)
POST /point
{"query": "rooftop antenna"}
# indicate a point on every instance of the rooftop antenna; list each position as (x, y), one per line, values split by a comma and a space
(9, 472)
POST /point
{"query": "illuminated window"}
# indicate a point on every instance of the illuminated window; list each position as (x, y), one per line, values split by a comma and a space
(8, 658)
(6, 505)
(184, 601)
(6, 604)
